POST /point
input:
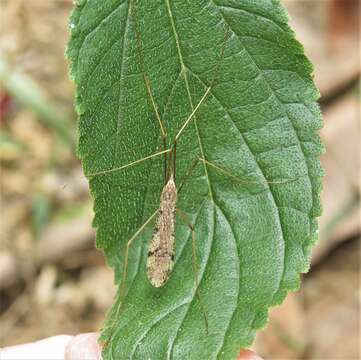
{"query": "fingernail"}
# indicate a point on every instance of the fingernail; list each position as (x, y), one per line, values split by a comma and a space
(83, 346)
(248, 355)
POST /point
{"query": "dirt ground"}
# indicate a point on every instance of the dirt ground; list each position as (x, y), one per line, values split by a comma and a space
(53, 281)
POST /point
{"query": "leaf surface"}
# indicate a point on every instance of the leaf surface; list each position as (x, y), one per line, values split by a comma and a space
(258, 123)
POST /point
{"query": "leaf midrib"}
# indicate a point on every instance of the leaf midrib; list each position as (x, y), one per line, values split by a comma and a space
(184, 71)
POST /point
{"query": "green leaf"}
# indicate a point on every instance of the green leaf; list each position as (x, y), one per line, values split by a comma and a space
(258, 123)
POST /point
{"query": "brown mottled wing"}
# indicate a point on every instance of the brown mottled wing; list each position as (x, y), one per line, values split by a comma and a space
(161, 249)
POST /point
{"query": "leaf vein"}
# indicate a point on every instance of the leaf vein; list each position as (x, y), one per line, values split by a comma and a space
(100, 61)
(121, 78)
(238, 283)
(257, 14)
(86, 36)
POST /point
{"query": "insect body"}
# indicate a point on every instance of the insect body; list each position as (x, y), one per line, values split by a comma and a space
(161, 249)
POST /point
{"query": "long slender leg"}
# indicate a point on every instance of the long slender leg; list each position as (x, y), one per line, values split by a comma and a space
(192, 115)
(195, 265)
(189, 173)
(125, 272)
(209, 88)
(227, 173)
(145, 76)
(128, 165)
(149, 87)
(238, 179)
(174, 159)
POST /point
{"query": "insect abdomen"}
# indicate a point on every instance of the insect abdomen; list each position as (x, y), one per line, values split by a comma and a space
(161, 249)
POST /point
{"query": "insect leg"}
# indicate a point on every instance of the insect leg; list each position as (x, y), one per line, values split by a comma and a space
(189, 173)
(190, 117)
(125, 271)
(149, 87)
(244, 181)
(186, 220)
(209, 88)
(128, 165)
